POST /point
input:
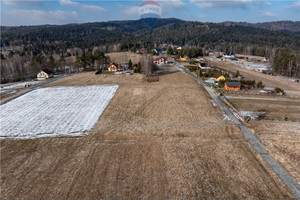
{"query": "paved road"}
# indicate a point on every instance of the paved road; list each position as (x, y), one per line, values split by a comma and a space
(288, 180)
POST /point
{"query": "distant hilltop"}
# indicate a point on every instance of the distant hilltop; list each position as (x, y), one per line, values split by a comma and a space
(286, 26)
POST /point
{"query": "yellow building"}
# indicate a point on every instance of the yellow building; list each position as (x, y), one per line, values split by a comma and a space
(218, 76)
(182, 59)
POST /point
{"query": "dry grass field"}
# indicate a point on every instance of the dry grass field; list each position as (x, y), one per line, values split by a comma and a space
(282, 108)
(282, 140)
(280, 131)
(124, 57)
(290, 87)
(161, 140)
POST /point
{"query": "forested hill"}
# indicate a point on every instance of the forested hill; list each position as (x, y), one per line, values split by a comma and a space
(135, 33)
(286, 26)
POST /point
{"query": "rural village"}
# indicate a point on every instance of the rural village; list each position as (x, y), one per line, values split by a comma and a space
(267, 105)
(150, 99)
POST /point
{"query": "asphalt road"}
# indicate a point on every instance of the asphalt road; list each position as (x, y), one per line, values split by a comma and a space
(284, 176)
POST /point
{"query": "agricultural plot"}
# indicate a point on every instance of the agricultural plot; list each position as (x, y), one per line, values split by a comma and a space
(54, 112)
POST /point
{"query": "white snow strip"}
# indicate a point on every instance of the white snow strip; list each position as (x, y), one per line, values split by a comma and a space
(236, 115)
(226, 118)
(7, 91)
(19, 85)
(252, 115)
(54, 112)
(213, 103)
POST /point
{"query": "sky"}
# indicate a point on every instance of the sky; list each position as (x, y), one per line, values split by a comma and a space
(38, 12)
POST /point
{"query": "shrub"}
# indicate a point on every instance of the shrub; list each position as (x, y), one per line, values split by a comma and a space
(279, 90)
(221, 83)
(259, 84)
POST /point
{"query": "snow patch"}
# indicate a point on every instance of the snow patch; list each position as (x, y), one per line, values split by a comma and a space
(54, 112)
(20, 85)
(226, 117)
(252, 115)
(3, 92)
(213, 103)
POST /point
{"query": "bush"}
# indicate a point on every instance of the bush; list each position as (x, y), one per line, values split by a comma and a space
(152, 78)
(259, 84)
(279, 90)
(221, 83)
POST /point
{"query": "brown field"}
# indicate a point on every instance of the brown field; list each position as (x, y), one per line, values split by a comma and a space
(161, 140)
(282, 140)
(277, 109)
(124, 57)
(250, 56)
(280, 131)
(290, 87)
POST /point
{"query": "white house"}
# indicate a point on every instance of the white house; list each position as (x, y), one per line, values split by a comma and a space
(230, 55)
(160, 60)
(44, 74)
(204, 66)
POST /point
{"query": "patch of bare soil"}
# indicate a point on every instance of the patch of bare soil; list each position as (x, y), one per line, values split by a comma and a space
(160, 140)
(282, 140)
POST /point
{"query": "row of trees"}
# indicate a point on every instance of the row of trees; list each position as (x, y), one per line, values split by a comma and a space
(92, 61)
(287, 63)
(190, 52)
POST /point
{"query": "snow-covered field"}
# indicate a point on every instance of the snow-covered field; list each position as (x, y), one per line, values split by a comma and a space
(54, 112)
(252, 66)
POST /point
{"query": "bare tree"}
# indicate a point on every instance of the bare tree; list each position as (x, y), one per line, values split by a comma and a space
(148, 66)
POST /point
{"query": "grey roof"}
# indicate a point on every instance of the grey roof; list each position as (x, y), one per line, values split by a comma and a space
(233, 84)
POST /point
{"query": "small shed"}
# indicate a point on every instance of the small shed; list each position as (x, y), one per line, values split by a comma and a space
(269, 90)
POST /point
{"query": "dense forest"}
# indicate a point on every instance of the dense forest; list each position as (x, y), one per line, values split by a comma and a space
(130, 34)
(287, 26)
(21, 46)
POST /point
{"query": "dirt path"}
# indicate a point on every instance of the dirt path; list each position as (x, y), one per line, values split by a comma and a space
(162, 140)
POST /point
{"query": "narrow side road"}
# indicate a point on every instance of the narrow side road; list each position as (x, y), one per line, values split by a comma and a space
(33, 87)
(288, 180)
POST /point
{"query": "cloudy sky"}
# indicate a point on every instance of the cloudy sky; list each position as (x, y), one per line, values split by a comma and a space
(36, 12)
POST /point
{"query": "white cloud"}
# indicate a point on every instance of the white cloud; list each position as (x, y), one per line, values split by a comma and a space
(15, 2)
(36, 17)
(226, 3)
(267, 14)
(86, 7)
(267, 3)
(9, 2)
(202, 16)
(171, 4)
(295, 5)
(132, 11)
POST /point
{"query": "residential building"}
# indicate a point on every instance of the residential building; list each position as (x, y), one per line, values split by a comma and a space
(44, 74)
(112, 67)
(232, 86)
(218, 76)
(160, 60)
